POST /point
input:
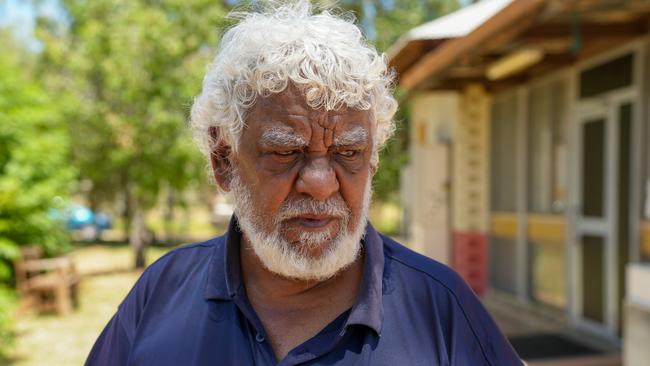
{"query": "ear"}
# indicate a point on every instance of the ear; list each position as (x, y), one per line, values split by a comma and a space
(374, 162)
(220, 160)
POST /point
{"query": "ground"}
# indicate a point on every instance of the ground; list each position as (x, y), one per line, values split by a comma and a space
(66, 340)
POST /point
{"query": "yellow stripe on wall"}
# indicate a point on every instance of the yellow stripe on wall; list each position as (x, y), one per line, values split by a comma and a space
(544, 228)
(503, 224)
(645, 239)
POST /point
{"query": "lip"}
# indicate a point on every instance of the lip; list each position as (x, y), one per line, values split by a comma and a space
(313, 221)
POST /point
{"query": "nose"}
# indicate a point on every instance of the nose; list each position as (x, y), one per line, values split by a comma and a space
(318, 179)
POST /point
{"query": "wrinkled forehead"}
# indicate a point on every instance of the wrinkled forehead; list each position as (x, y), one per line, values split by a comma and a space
(282, 115)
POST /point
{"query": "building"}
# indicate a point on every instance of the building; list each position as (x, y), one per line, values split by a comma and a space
(530, 135)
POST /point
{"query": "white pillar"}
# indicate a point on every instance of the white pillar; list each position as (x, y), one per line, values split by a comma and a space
(433, 116)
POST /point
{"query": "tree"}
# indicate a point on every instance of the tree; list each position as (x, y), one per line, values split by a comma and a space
(384, 21)
(35, 175)
(134, 66)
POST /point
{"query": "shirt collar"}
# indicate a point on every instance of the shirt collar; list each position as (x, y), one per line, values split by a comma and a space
(224, 276)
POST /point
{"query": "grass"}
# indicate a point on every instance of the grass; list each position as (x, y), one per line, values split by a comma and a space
(66, 340)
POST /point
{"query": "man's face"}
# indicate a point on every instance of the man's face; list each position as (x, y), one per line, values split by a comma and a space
(301, 181)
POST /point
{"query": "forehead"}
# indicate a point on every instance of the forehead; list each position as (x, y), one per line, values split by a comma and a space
(289, 110)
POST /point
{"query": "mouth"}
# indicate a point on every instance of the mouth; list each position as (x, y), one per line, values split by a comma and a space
(313, 221)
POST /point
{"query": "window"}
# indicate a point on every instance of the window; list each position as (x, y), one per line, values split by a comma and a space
(547, 272)
(547, 152)
(503, 271)
(503, 196)
(606, 77)
(504, 153)
(547, 191)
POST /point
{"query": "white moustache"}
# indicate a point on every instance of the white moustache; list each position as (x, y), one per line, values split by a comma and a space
(332, 207)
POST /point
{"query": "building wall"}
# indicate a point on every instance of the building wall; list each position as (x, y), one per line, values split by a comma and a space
(471, 158)
(433, 116)
(470, 188)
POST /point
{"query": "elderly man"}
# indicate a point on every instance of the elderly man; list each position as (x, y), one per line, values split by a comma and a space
(292, 115)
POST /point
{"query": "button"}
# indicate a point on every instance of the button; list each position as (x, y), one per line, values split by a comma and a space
(259, 338)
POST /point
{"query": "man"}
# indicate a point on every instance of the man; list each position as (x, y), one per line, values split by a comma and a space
(292, 115)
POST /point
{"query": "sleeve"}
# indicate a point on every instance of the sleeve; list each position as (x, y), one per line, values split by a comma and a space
(476, 339)
(113, 345)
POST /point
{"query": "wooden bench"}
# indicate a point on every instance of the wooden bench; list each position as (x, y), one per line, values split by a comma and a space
(47, 284)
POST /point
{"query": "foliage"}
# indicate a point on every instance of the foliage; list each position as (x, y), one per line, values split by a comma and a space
(384, 21)
(133, 67)
(391, 160)
(7, 305)
(35, 176)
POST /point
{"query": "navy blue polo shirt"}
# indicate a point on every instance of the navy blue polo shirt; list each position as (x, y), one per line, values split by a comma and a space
(190, 308)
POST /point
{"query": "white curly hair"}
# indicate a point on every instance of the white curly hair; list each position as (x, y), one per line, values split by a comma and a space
(324, 54)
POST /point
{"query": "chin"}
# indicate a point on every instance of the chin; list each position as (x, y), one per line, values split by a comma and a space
(307, 262)
(313, 250)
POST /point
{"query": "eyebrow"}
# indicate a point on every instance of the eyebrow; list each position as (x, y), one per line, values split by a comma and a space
(355, 136)
(277, 136)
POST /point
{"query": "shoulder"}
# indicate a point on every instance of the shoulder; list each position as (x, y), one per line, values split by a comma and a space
(175, 272)
(425, 278)
(441, 293)
(180, 263)
(430, 282)
(180, 267)
(186, 254)
(414, 264)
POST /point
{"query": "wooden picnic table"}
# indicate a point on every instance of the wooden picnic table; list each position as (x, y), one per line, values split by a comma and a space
(47, 284)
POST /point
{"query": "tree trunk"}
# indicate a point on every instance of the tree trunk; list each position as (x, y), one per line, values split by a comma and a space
(185, 224)
(137, 236)
(126, 215)
(168, 216)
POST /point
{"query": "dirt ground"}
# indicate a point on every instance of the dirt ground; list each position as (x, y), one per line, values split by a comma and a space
(66, 340)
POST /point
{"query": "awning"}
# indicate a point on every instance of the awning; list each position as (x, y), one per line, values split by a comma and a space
(453, 36)
(502, 43)
(457, 24)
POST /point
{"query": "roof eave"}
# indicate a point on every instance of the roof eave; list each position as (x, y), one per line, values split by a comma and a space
(435, 62)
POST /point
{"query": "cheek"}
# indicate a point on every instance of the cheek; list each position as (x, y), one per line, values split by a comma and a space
(272, 191)
(268, 190)
(352, 188)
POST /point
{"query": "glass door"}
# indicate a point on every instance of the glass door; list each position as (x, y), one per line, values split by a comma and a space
(600, 248)
(592, 226)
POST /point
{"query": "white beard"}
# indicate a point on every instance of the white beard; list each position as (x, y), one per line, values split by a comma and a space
(291, 260)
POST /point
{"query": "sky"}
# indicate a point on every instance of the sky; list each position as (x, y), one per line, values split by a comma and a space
(20, 16)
